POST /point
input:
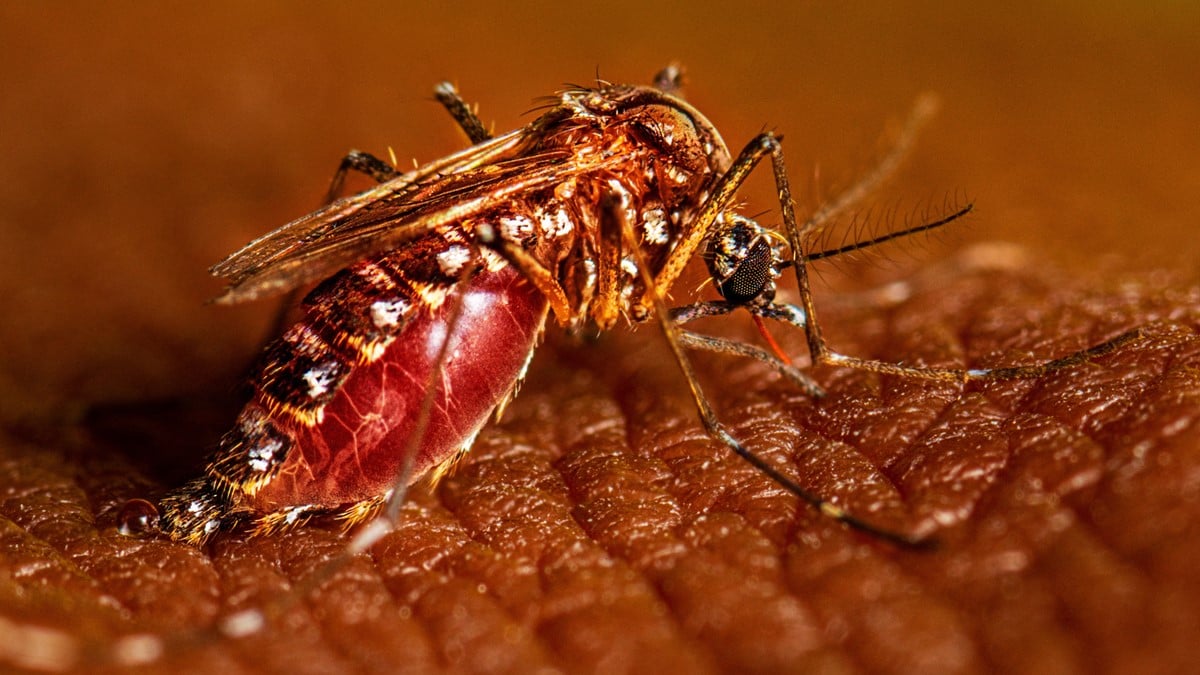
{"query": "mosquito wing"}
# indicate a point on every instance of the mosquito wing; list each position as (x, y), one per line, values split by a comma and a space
(391, 214)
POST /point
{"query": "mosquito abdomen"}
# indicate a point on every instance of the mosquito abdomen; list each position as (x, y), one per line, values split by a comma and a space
(335, 410)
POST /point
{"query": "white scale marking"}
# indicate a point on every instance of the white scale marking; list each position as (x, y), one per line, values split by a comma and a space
(260, 456)
(453, 259)
(654, 226)
(319, 379)
(516, 228)
(555, 223)
(387, 313)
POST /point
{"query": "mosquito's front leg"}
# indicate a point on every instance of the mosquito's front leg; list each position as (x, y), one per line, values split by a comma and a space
(795, 316)
(718, 345)
(613, 212)
(806, 315)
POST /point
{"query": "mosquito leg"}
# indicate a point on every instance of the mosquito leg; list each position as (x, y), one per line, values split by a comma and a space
(718, 345)
(692, 340)
(793, 315)
(462, 113)
(542, 278)
(720, 199)
(364, 163)
(700, 310)
(354, 160)
(806, 316)
(669, 80)
(382, 171)
(613, 210)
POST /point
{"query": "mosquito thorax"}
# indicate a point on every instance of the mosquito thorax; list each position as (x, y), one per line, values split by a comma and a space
(662, 157)
(687, 150)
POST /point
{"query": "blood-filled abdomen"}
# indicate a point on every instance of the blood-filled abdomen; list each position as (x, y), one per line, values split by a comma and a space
(335, 412)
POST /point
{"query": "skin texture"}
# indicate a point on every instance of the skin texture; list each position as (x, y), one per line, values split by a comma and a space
(596, 528)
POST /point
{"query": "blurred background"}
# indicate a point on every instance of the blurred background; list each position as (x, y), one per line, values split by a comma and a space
(140, 143)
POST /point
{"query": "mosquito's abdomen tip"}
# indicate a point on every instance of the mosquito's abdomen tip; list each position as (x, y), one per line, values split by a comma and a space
(138, 518)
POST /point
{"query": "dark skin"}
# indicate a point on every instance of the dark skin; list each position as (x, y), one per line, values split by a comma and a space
(1078, 551)
(599, 481)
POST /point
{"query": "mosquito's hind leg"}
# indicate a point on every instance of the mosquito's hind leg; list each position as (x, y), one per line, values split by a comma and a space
(355, 160)
(364, 163)
(462, 113)
(382, 171)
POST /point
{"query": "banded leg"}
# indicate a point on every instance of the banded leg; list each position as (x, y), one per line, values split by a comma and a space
(462, 113)
(382, 171)
(820, 351)
(795, 316)
(364, 163)
(717, 345)
(789, 314)
(542, 278)
(708, 416)
(355, 160)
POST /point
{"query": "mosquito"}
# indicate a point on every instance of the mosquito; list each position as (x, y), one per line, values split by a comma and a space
(434, 287)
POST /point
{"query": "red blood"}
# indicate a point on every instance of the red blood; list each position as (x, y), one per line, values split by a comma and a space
(356, 452)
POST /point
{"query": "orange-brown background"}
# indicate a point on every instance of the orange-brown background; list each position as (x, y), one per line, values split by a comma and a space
(140, 143)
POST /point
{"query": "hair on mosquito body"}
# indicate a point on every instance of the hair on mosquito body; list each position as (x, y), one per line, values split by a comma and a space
(434, 287)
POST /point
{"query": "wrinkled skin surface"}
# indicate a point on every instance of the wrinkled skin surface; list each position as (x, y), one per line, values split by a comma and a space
(596, 528)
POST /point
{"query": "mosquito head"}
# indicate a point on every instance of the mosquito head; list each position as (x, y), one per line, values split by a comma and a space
(744, 260)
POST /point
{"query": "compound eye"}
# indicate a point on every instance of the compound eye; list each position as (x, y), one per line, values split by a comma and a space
(750, 275)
